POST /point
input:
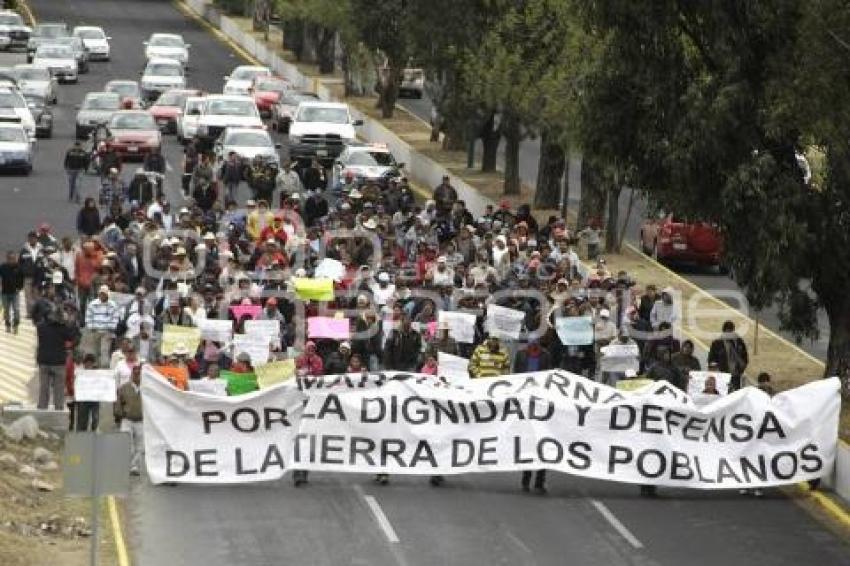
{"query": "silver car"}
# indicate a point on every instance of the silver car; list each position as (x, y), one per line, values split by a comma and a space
(45, 33)
(247, 143)
(80, 51)
(60, 59)
(37, 81)
(97, 108)
(16, 147)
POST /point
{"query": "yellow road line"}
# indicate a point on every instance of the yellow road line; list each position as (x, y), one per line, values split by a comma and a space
(117, 532)
(830, 507)
(220, 35)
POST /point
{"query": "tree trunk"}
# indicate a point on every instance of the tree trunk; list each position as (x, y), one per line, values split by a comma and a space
(293, 36)
(325, 50)
(838, 351)
(550, 172)
(388, 91)
(513, 137)
(260, 18)
(455, 135)
(592, 202)
(308, 43)
(490, 137)
(613, 222)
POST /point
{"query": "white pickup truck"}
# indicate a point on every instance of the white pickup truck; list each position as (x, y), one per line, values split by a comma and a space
(320, 130)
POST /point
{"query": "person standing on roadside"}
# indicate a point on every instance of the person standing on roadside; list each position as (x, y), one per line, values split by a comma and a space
(12, 282)
(53, 336)
(729, 352)
(76, 161)
(27, 259)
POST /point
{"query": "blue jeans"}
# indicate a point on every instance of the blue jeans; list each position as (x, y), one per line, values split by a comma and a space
(73, 177)
(10, 308)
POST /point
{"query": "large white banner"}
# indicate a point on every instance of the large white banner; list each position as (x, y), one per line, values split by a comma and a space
(412, 424)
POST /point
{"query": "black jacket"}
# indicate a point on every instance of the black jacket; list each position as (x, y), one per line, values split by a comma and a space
(88, 221)
(402, 350)
(11, 278)
(717, 355)
(521, 362)
(76, 159)
(51, 343)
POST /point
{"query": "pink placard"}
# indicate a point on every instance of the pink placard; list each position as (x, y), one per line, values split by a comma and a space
(326, 327)
(241, 310)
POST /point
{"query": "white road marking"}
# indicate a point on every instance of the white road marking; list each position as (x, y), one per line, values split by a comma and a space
(379, 514)
(615, 522)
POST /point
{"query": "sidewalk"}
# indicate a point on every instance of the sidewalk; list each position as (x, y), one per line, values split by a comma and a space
(17, 362)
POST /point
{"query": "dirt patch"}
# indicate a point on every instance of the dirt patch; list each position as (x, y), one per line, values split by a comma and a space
(41, 528)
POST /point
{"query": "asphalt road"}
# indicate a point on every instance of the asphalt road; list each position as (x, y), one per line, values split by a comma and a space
(348, 520)
(721, 286)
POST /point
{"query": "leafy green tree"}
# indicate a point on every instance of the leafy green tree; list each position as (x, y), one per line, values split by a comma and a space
(324, 21)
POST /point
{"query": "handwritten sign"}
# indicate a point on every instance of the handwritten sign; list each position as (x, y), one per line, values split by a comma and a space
(94, 385)
(239, 383)
(257, 347)
(314, 289)
(274, 372)
(574, 330)
(461, 325)
(251, 311)
(330, 268)
(214, 387)
(263, 327)
(183, 336)
(504, 322)
(326, 327)
(453, 368)
(216, 330)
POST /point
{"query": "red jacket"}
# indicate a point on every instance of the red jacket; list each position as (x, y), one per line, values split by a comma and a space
(311, 362)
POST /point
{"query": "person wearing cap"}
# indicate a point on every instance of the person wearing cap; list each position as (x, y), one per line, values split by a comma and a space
(382, 289)
(442, 274)
(337, 361)
(604, 329)
(128, 414)
(489, 359)
(230, 174)
(444, 196)
(102, 316)
(76, 162)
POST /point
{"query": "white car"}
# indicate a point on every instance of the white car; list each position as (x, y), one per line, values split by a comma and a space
(247, 143)
(13, 106)
(242, 78)
(37, 81)
(13, 32)
(320, 130)
(16, 146)
(60, 60)
(95, 40)
(221, 111)
(167, 46)
(161, 75)
(371, 162)
(187, 122)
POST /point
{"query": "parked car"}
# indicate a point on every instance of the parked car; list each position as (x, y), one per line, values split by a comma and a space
(667, 237)
(97, 108)
(34, 80)
(17, 148)
(133, 134)
(95, 40)
(41, 113)
(412, 83)
(168, 107)
(267, 91)
(282, 111)
(59, 59)
(167, 46)
(45, 33)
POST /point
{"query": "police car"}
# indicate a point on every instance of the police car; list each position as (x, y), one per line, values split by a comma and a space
(371, 162)
(17, 148)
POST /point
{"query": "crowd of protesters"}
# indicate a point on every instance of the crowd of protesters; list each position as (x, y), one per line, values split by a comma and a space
(243, 231)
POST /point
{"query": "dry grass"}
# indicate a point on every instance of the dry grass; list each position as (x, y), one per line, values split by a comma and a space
(41, 528)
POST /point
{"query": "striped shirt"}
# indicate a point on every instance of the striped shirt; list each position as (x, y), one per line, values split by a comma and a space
(102, 316)
(485, 363)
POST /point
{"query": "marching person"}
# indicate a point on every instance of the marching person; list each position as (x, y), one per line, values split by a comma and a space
(76, 162)
(533, 358)
(12, 282)
(729, 352)
(102, 316)
(53, 336)
(128, 418)
(489, 359)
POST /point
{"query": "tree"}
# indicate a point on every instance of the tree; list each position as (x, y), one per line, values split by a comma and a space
(320, 23)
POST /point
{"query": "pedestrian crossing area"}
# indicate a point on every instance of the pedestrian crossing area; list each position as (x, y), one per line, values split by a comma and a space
(17, 362)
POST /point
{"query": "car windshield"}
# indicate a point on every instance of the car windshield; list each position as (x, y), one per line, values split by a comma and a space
(12, 135)
(164, 70)
(55, 30)
(33, 74)
(33, 100)
(72, 42)
(11, 99)
(55, 52)
(166, 41)
(372, 158)
(11, 20)
(172, 99)
(271, 85)
(102, 102)
(91, 34)
(134, 121)
(296, 98)
(249, 139)
(326, 114)
(248, 74)
(232, 108)
(124, 89)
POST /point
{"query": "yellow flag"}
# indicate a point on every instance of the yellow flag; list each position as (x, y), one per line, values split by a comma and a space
(314, 289)
(274, 373)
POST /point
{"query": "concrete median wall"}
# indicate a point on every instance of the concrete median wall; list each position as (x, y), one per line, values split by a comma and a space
(419, 168)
